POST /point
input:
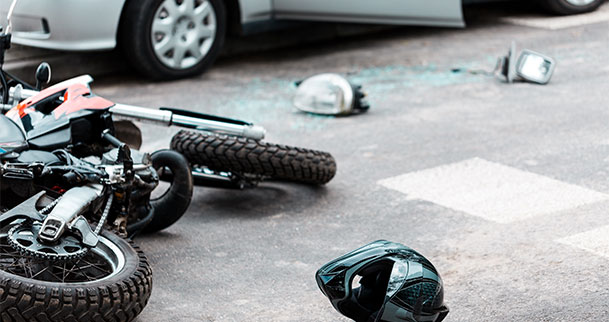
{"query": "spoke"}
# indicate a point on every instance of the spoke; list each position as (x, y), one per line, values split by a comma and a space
(66, 274)
(171, 7)
(164, 46)
(25, 269)
(178, 55)
(9, 254)
(163, 26)
(29, 267)
(187, 6)
(85, 274)
(85, 266)
(202, 11)
(98, 267)
(205, 32)
(17, 264)
(194, 49)
(56, 277)
(40, 272)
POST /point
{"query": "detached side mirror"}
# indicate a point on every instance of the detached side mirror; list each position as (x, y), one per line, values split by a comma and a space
(43, 75)
(329, 94)
(531, 66)
(535, 67)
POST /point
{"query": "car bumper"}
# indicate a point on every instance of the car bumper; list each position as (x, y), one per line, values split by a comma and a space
(65, 24)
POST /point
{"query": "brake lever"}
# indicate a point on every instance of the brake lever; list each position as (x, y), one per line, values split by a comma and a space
(17, 174)
(19, 171)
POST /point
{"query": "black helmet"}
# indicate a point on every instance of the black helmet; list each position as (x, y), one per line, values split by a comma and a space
(397, 284)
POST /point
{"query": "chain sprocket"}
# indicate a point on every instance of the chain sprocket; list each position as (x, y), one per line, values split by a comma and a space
(23, 238)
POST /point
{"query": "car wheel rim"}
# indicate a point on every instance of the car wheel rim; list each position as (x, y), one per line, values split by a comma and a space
(183, 32)
(580, 3)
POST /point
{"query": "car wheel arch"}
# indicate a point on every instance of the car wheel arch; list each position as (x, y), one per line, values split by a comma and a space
(233, 16)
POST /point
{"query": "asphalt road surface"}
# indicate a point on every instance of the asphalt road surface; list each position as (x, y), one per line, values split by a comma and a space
(504, 187)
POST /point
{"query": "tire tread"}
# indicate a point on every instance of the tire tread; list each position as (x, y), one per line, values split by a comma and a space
(241, 155)
(119, 301)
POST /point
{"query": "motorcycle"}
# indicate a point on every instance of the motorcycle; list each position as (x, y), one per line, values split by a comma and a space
(74, 190)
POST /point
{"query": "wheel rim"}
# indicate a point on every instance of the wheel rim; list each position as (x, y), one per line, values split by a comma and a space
(183, 32)
(100, 263)
(580, 3)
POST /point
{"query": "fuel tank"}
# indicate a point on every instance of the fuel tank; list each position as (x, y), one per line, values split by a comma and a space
(11, 137)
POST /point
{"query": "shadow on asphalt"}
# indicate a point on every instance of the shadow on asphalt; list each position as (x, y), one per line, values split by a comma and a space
(266, 200)
(360, 36)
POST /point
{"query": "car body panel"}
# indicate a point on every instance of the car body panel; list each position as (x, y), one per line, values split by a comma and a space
(44, 23)
(410, 12)
(93, 24)
(253, 11)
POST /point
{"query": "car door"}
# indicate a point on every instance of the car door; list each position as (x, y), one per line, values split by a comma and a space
(408, 12)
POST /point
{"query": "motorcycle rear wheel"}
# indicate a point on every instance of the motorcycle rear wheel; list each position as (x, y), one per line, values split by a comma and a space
(247, 156)
(39, 290)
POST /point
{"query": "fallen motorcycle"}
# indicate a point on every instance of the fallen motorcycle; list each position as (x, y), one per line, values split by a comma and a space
(74, 189)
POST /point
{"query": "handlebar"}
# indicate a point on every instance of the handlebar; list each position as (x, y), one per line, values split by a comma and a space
(166, 117)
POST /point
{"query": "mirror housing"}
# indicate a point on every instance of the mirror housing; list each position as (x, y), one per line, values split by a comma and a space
(530, 67)
(43, 75)
(329, 94)
(535, 67)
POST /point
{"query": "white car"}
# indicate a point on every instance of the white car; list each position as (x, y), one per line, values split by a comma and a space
(168, 39)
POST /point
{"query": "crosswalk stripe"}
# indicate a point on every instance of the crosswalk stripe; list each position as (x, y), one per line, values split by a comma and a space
(595, 241)
(492, 191)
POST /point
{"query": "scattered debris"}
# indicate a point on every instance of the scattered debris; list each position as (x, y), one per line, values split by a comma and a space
(530, 67)
(329, 94)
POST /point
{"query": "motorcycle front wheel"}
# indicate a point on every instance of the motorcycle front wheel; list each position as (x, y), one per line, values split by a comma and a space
(173, 201)
(247, 156)
(112, 282)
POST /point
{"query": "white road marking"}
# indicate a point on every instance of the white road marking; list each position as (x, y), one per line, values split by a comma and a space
(595, 241)
(492, 191)
(561, 22)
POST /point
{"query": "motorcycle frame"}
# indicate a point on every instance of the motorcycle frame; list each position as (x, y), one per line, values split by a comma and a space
(166, 117)
(163, 116)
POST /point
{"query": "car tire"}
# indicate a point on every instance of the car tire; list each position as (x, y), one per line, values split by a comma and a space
(570, 7)
(172, 39)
